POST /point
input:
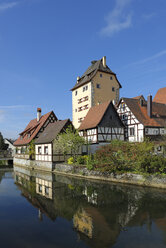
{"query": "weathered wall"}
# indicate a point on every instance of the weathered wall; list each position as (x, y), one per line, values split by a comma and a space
(157, 181)
(32, 164)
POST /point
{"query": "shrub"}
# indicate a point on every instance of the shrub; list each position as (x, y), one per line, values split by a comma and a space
(70, 160)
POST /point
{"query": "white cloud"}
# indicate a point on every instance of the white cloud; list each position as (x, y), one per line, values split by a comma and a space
(4, 6)
(149, 59)
(14, 106)
(117, 19)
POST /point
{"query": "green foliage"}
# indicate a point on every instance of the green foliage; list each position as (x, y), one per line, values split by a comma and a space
(120, 156)
(31, 150)
(70, 160)
(69, 142)
(3, 146)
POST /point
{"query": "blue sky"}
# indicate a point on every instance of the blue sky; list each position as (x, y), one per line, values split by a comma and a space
(46, 44)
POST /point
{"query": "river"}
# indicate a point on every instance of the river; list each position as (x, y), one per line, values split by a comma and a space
(49, 210)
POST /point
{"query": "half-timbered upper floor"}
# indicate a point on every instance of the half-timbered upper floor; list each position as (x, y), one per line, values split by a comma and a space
(142, 118)
(102, 124)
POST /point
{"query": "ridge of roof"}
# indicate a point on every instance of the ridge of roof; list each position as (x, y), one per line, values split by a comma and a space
(95, 66)
(32, 125)
(97, 112)
(158, 112)
(51, 131)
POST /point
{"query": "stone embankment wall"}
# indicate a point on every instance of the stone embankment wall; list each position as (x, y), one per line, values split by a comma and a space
(158, 181)
(33, 164)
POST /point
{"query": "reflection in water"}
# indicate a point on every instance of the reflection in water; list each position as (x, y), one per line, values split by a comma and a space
(103, 215)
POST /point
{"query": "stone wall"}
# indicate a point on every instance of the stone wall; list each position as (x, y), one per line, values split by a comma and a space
(158, 181)
(32, 164)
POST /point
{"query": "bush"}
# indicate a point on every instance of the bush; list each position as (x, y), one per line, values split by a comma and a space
(70, 160)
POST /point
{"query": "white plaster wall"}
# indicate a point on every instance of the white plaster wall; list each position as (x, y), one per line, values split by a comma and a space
(43, 156)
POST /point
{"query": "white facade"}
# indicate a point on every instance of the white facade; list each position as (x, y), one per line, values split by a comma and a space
(134, 130)
(43, 152)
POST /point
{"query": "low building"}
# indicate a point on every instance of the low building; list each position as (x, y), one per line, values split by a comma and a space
(11, 147)
(31, 132)
(101, 125)
(45, 149)
(142, 118)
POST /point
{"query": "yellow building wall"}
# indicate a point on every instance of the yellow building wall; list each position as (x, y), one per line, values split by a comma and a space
(95, 95)
(105, 93)
(76, 105)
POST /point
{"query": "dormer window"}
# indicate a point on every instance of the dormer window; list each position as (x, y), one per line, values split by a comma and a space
(21, 137)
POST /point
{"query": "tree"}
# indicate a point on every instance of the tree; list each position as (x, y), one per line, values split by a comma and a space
(69, 142)
(31, 150)
(3, 146)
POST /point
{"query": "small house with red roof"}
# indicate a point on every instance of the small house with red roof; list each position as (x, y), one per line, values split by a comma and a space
(101, 125)
(32, 132)
(142, 118)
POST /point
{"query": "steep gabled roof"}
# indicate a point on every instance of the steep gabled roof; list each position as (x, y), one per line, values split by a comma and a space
(95, 116)
(33, 129)
(160, 96)
(96, 65)
(140, 112)
(51, 131)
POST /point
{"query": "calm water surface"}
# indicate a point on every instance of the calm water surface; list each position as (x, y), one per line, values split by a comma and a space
(48, 210)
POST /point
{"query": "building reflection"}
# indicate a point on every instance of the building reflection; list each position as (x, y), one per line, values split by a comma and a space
(99, 212)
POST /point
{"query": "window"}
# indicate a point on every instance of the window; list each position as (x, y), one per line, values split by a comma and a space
(40, 188)
(46, 150)
(113, 88)
(46, 190)
(85, 88)
(132, 131)
(75, 110)
(101, 75)
(111, 78)
(123, 106)
(86, 106)
(21, 137)
(79, 109)
(76, 93)
(98, 86)
(39, 149)
(80, 100)
(29, 135)
(80, 120)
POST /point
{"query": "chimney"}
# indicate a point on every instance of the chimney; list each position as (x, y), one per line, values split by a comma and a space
(149, 106)
(38, 114)
(78, 78)
(104, 61)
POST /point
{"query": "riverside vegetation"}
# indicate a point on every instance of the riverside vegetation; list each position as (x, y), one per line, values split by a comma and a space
(123, 157)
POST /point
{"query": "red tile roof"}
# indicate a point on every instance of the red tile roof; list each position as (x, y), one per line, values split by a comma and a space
(94, 116)
(33, 129)
(140, 112)
(160, 96)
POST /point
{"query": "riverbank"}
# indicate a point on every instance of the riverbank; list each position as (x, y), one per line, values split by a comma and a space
(147, 180)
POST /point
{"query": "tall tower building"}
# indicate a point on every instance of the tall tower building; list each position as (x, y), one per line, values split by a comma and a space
(97, 85)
